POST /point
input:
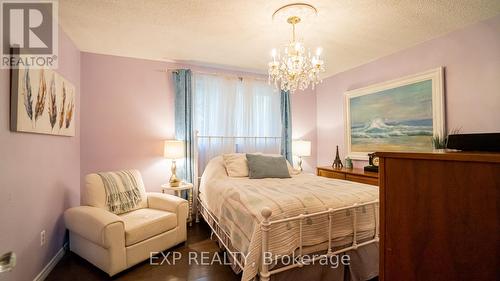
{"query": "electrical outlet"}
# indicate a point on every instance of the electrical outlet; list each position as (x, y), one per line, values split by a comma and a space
(42, 238)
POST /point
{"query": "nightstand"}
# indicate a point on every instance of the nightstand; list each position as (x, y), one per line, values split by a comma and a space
(188, 187)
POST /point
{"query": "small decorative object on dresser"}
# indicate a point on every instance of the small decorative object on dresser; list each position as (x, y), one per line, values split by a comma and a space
(183, 186)
(356, 175)
(337, 163)
(372, 163)
(348, 163)
(174, 149)
(441, 142)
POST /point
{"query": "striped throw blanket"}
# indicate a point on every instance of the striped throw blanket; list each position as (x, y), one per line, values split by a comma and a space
(122, 191)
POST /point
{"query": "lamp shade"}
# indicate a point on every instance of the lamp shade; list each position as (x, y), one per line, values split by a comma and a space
(301, 148)
(173, 149)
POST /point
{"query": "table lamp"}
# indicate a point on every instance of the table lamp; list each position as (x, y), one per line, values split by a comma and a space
(301, 148)
(173, 150)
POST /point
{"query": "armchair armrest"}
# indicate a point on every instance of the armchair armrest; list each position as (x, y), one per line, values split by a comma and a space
(167, 202)
(95, 224)
(174, 204)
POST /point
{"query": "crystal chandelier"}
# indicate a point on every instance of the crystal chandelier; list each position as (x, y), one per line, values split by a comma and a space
(294, 67)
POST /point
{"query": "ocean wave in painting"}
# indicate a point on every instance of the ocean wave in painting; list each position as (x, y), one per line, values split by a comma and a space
(379, 128)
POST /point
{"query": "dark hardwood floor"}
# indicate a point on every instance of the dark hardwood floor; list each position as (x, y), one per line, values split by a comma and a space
(73, 268)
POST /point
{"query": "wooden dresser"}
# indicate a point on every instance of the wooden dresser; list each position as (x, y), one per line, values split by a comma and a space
(357, 175)
(439, 216)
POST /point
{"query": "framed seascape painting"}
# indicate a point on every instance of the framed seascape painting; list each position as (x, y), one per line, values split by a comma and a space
(42, 102)
(398, 115)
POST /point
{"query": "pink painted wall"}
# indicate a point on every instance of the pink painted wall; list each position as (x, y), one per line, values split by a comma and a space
(128, 110)
(39, 179)
(304, 124)
(471, 57)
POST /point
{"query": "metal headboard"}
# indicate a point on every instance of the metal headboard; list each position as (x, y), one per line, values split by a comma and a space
(207, 147)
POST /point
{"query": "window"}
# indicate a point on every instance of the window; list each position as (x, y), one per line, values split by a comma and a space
(236, 114)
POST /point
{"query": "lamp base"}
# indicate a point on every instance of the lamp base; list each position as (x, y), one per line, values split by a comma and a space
(174, 183)
(174, 180)
(300, 164)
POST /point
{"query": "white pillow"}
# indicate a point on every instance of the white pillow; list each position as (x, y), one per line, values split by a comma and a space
(236, 164)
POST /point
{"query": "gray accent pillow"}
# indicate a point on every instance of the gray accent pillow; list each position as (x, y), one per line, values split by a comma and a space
(260, 167)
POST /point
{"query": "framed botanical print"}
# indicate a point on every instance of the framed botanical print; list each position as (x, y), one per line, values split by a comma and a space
(398, 115)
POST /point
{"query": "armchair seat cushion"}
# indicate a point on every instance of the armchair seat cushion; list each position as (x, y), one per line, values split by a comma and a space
(142, 224)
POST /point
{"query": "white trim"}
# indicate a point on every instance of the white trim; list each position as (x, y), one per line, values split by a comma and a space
(438, 114)
(52, 263)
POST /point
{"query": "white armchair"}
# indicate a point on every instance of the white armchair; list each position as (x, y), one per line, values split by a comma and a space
(113, 242)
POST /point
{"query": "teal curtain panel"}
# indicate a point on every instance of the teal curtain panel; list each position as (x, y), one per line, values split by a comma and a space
(286, 126)
(184, 121)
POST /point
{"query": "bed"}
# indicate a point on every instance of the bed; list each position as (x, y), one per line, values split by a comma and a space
(259, 222)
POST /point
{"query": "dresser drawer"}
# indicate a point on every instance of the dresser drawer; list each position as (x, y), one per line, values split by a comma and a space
(331, 174)
(361, 179)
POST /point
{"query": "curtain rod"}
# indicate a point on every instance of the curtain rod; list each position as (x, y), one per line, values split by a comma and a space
(224, 74)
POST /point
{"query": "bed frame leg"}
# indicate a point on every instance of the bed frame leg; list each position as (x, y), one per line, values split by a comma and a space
(264, 227)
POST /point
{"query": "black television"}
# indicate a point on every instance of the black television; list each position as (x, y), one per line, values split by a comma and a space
(475, 142)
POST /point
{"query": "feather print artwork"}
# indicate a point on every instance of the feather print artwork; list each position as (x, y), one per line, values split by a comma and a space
(41, 97)
(69, 113)
(52, 102)
(63, 104)
(28, 98)
(42, 102)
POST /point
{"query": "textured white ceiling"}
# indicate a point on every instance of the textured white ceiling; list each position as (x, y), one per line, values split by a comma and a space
(241, 33)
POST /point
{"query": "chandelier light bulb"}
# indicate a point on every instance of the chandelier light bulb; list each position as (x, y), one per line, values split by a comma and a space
(319, 50)
(273, 53)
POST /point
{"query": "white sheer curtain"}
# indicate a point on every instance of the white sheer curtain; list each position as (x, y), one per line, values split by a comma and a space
(236, 109)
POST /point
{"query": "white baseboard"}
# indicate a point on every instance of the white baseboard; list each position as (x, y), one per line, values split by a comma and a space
(52, 263)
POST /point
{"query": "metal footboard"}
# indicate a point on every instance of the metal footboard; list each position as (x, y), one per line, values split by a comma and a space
(265, 226)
